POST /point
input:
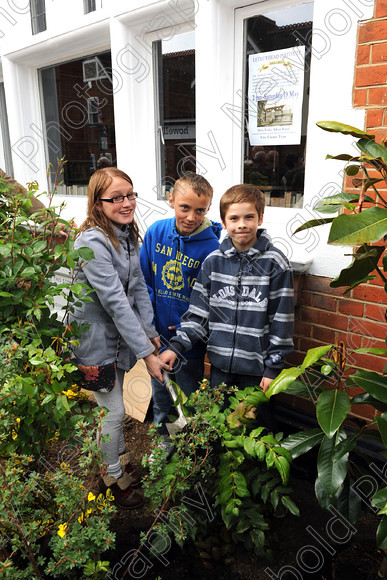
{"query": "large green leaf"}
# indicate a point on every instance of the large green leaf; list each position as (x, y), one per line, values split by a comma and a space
(314, 354)
(313, 224)
(331, 473)
(331, 410)
(349, 501)
(284, 379)
(379, 500)
(381, 534)
(367, 399)
(364, 262)
(373, 383)
(333, 203)
(382, 425)
(302, 442)
(372, 149)
(369, 226)
(335, 127)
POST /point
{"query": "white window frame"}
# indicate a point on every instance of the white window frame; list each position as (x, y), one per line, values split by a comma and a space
(241, 14)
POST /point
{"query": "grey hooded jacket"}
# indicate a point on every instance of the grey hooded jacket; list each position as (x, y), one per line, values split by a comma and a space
(121, 304)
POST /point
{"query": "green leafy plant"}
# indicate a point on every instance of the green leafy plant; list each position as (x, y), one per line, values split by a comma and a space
(362, 222)
(243, 469)
(35, 346)
(50, 523)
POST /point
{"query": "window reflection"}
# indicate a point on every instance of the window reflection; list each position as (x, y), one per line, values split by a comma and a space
(277, 169)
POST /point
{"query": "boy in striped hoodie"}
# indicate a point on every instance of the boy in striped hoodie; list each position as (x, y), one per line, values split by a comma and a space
(242, 304)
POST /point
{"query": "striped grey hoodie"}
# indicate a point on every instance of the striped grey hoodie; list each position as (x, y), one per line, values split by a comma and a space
(242, 306)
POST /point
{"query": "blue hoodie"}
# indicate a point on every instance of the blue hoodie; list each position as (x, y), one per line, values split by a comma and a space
(170, 264)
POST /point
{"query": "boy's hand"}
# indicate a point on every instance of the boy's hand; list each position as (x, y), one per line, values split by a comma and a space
(264, 384)
(168, 358)
(171, 327)
(155, 367)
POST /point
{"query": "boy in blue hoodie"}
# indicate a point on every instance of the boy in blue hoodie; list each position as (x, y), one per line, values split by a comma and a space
(171, 257)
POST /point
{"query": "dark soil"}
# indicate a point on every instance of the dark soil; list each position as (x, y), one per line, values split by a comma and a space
(317, 545)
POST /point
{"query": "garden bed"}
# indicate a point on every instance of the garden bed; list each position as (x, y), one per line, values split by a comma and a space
(317, 545)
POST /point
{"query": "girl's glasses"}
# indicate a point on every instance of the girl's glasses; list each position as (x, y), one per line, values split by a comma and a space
(120, 198)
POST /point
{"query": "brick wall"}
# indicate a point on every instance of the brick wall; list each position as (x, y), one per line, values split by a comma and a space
(325, 315)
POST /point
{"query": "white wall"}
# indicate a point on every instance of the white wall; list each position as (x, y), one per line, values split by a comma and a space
(218, 40)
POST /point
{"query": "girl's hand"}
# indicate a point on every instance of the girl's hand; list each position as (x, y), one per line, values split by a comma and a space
(168, 358)
(156, 342)
(154, 367)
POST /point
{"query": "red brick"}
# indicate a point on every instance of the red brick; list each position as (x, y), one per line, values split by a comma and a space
(376, 312)
(368, 342)
(307, 343)
(368, 362)
(367, 328)
(380, 8)
(380, 134)
(371, 75)
(379, 52)
(363, 54)
(350, 340)
(324, 302)
(296, 357)
(302, 329)
(325, 335)
(360, 97)
(321, 284)
(377, 96)
(351, 308)
(374, 117)
(306, 299)
(372, 31)
(363, 411)
(370, 293)
(316, 316)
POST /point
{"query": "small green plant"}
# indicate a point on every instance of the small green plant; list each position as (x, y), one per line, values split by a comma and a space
(233, 464)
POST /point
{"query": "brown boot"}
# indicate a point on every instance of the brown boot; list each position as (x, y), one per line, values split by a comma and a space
(124, 495)
(127, 467)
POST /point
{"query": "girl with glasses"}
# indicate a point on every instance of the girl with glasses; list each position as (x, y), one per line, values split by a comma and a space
(119, 314)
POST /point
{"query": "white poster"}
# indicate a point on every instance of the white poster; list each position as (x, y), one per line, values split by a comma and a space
(276, 87)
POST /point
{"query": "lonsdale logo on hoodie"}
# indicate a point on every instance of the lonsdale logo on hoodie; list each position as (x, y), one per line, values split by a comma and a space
(172, 275)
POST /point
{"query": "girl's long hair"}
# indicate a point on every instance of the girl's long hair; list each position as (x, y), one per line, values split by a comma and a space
(98, 184)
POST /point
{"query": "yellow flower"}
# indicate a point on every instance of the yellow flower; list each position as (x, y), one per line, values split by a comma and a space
(88, 512)
(90, 497)
(18, 419)
(80, 519)
(101, 501)
(62, 530)
(109, 495)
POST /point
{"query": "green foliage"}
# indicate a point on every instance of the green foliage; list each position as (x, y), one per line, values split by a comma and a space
(366, 222)
(363, 224)
(50, 525)
(224, 454)
(35, 346)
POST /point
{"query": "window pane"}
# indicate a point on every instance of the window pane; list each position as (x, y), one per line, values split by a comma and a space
(38, 16)
(277, 92)
(79, 118)
(176, 117)
(88, 6)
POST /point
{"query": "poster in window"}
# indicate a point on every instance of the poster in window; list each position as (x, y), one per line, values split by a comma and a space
(276, 87)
